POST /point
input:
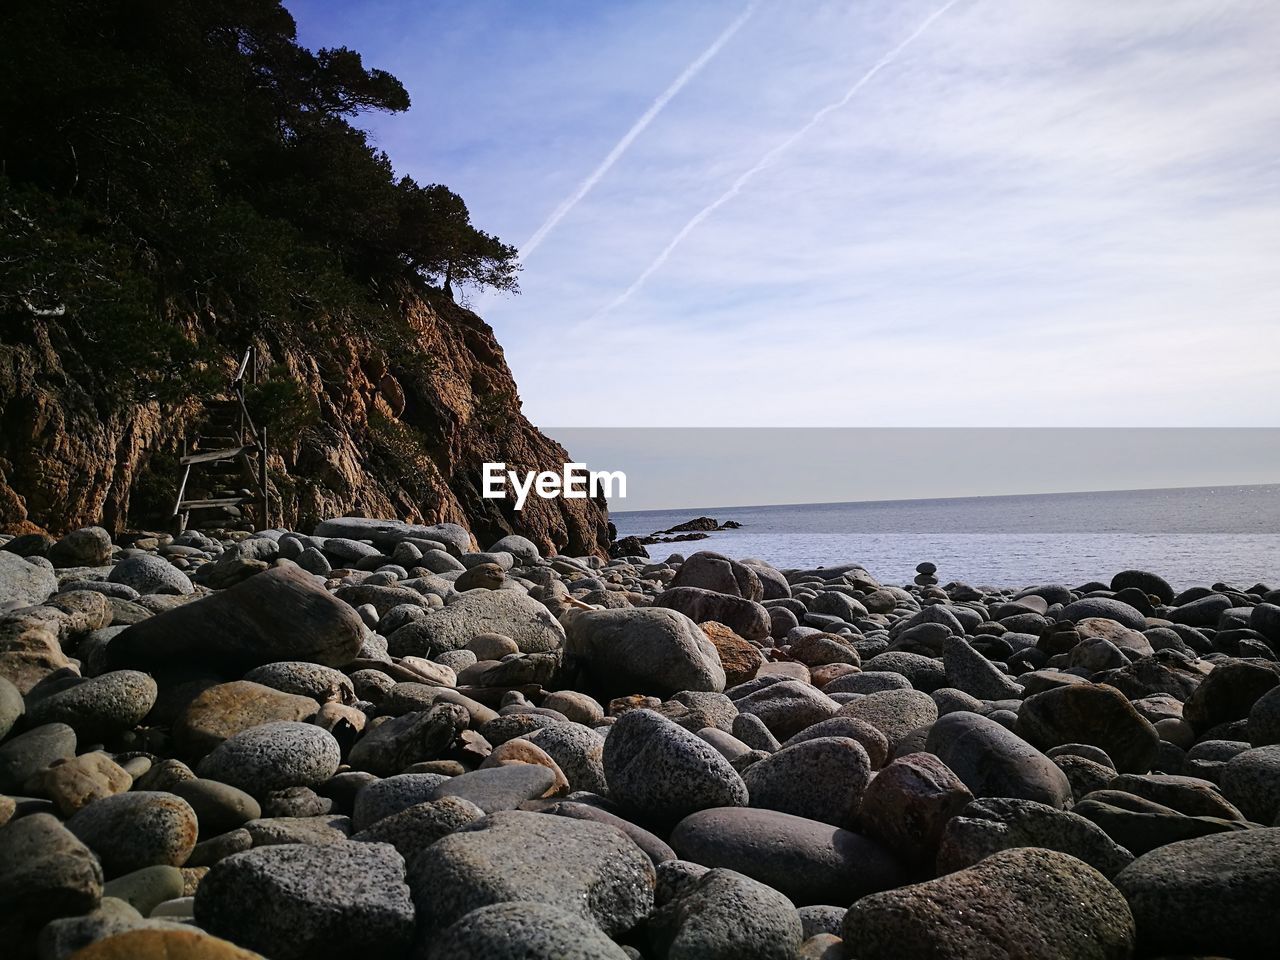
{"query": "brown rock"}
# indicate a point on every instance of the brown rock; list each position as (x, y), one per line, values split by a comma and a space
(79, 781)
(221, 712)
(163, 945)
(524, 751)
(29, 652)
(741, 660)
(483, 576)
(821, 676)
(908, 804)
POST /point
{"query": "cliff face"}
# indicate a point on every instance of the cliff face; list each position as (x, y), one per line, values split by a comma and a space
(378, 433)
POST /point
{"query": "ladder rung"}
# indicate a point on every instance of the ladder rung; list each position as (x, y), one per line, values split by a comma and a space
(226, 453)
(209, 504)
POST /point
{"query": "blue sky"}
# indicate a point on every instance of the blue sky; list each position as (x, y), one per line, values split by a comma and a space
(1042, 213)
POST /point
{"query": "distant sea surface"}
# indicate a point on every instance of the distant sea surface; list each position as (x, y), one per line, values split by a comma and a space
(1198, 535)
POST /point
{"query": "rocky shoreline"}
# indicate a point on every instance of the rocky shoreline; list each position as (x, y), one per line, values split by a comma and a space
(377, 738)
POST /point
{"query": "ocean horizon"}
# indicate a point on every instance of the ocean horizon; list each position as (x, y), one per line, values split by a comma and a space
(1190, 535)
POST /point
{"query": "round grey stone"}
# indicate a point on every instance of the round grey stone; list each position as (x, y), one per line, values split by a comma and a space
(821, 779)
(1251, 780)
(322, 684)
(724, 915)
(415, 828)
(1211, 896)
(382, 798)
(273, 756)
(523, 931)
(895, 713)
(101, 706)
(577, 750)
(1033, 903)
(300, 902)
(147, 573)
(994, 762)
(661, 772)
(590, 870)
(29, 753)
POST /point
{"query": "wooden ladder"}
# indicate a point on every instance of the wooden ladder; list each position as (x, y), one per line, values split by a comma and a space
(231, 454)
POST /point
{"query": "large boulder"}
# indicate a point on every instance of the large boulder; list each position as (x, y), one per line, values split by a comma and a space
(1152, 584)
(305, 902)
(99, 707)
(280, 614)
(993, 824)
(1210, 896)
(1026, 902)
(508, 612)
(641, 650)
(660, 772)
(745, 617)
(86, 547)
(1094, 714)
(590, 870)
(895, 713)
(909, 804)
(724, 915)
(995, 762)
(147, 573)
(1229, 693)
(807, 861)
(46, 872)
(28, 753)
(139, 829)
(715, 572)
(787, 706)
(820, 779)
(22, 583)
(1104, 608)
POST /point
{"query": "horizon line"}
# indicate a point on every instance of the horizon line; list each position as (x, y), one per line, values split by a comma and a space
(979, 496)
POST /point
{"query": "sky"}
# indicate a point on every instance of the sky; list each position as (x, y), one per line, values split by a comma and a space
(1035, 213)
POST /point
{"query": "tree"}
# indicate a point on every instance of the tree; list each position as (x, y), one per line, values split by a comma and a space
(436, 238)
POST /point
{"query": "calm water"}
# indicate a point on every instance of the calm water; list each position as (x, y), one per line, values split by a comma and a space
(1190, 536)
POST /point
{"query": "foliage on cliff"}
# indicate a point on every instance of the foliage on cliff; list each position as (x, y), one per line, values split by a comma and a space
(180, 179)
(163, 157)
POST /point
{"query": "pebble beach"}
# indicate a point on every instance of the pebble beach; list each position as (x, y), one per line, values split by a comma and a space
(387, 740)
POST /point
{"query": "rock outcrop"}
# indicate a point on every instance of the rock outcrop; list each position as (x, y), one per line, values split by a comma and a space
(386, 434)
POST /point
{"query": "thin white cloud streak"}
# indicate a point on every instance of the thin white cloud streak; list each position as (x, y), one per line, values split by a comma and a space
(655, 108)
(767, 160)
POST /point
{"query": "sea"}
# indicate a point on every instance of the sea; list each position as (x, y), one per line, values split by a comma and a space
(1190, 536)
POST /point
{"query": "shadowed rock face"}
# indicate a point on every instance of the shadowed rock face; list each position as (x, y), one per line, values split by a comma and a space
(397, 436)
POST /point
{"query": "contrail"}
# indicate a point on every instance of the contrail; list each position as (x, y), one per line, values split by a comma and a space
(637, 128)
(768, 160)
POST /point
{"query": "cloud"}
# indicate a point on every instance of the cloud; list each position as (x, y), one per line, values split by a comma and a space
(1055, 214)
(692, 70)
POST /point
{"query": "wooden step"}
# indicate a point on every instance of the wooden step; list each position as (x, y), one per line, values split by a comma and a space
(225, 453)
(210, 504)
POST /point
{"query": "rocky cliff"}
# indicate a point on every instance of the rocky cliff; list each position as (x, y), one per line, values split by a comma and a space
(369, 430)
